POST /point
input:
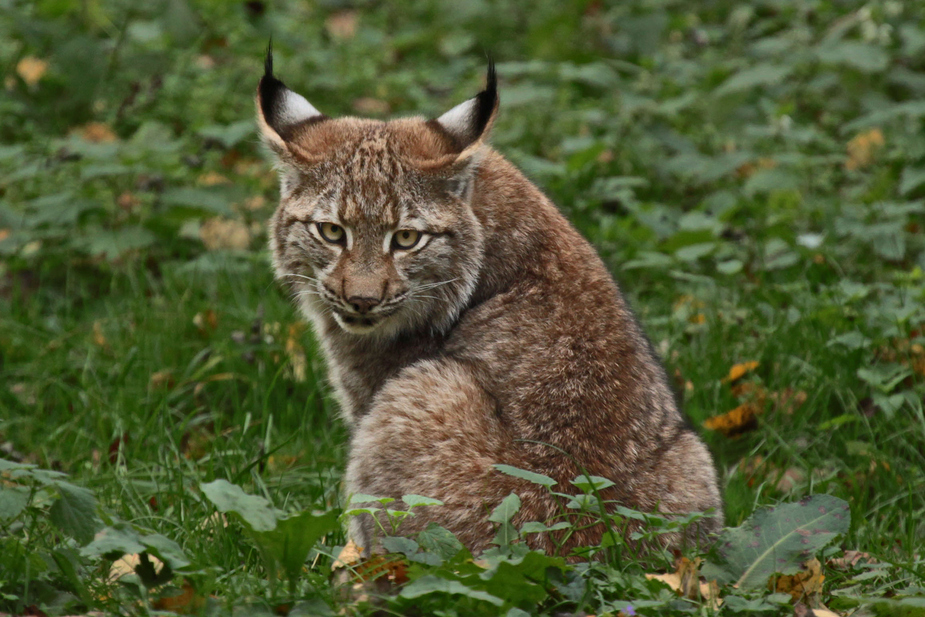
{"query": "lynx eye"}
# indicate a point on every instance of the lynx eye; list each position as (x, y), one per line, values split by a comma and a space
(406, 238)
(331, 232)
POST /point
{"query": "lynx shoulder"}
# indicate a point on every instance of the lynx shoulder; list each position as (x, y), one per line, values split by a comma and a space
(466, 323)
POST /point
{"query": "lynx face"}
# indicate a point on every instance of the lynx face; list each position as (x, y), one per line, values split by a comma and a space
(375, 232)
(380, 248)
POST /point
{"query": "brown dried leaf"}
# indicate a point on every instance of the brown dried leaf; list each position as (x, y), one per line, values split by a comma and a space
(187, 602)
(31, 69)
(788, 400)
(805, 586)
(222, 233)
(342, 25)
(369, 106)
(96, 133)
(849, 560)
(162, 379)
(349, 555)
(686, 582)
(862, 147)
(212, 178)
(205, 321)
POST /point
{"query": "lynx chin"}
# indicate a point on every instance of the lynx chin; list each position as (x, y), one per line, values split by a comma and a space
(465, 324)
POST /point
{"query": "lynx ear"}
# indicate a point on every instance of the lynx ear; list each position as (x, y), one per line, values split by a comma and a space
(281, 113)
(468, 123)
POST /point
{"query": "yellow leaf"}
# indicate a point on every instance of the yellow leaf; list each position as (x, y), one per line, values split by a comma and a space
(31, 69)
(805, 585)
(348, 556)
(686, 582)
(96, 133)
(735, 422)
(222, 233)
(342, 25)
(739, 370)
(862, 147)
(99, 339)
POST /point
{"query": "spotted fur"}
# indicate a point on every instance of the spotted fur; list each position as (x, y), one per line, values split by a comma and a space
(501, 339)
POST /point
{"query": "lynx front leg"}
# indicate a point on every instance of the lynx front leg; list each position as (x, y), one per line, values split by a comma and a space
(432, 431)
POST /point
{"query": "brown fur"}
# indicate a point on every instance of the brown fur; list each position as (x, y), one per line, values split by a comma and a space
(519, 350)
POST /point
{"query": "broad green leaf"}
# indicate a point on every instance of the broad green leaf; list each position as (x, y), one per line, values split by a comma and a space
(435, 539)
(414, 501)
(295, 536)
(13, 500)
(229, 135)
(912, 179)
(432, 584)
(506, 510)
(589, 484)
(166, 550)
(777, 540)
(254, 510)
(113, 243)
(399, 544)
(363, 498)
(864, 57)
(198, 199)
(114, 541)
(764, 74)
(74, 513)
(535, 478)
(510, 582)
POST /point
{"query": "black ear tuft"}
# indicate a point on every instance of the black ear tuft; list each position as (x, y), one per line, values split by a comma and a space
(282, 110)
(468, 122)
(487, 99)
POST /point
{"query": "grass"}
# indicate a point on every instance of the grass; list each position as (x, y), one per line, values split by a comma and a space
(754, 176)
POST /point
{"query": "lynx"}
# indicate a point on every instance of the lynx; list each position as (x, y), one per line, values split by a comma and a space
(466, 323)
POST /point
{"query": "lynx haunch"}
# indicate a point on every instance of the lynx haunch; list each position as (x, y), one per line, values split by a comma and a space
(466, 323)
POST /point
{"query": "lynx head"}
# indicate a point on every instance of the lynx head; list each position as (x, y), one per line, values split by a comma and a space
(375, 233)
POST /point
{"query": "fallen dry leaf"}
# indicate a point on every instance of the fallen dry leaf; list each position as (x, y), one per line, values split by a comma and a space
(205, 321)
(187, 602)
(127, 564)
(99, 339)
(31, 69)
(804, 586)
(342, 25)
(736, 421)
(739, 370)
(349, 555)
(298, 364)
(223, 233)
(4, 234)
(788, 400)
(162, 379)
(96, 133)
(369, 106)
(686, 582)
(862, 147)
(212, 178)
(849, 560)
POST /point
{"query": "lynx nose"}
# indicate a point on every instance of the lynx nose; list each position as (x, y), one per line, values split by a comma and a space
(362, 304)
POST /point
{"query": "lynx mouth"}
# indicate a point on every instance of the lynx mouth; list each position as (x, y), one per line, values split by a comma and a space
(357, 324)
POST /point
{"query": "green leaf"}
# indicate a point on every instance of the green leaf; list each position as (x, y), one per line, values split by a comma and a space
(764, 74)
(254, 510)
(166, 550)
(112, 244)
(590, 484)
(535, 478)
(229, 135)
(435, 539)
(911, 180)
(114, 541)
(198, 199)
(414, 501)
(432, 584)
(294, 537)
(506, 510)
(777, 540)
(357, 498)
(13, 500)
(864, 57)
(74, 513)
